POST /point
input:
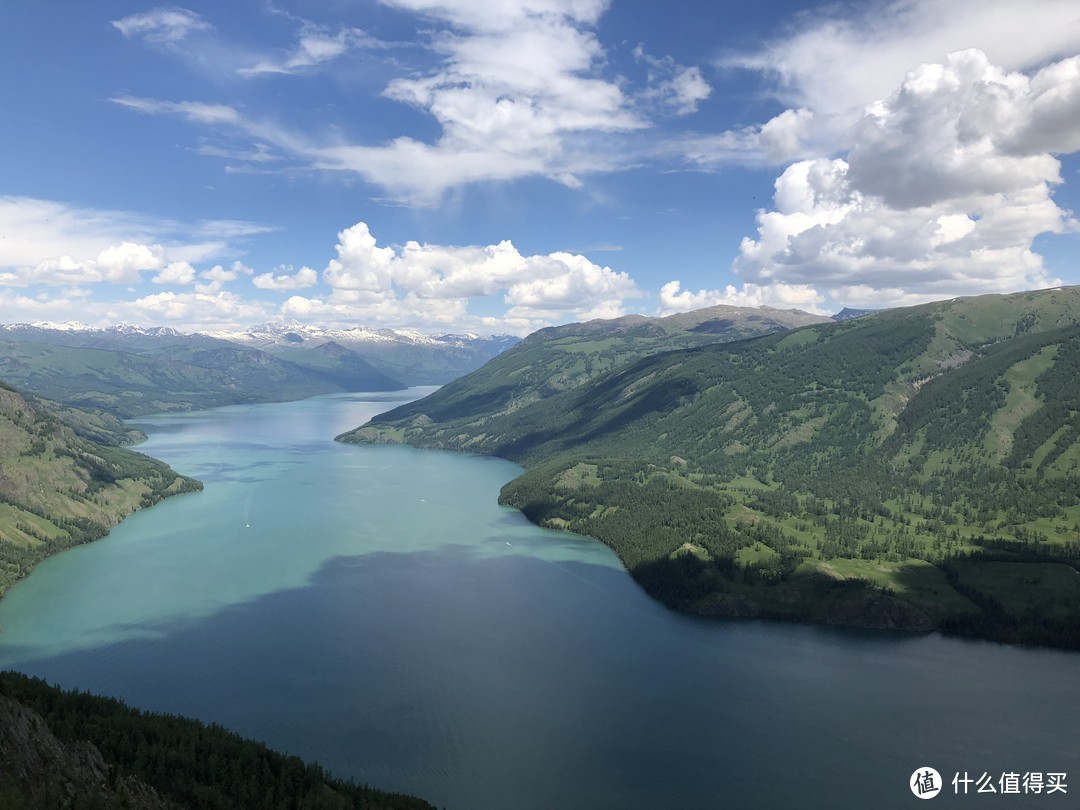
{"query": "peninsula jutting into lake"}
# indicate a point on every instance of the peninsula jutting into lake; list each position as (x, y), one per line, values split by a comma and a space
(911, 469)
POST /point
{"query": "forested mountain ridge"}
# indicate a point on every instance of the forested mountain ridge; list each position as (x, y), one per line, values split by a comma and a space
(59, 489)
(560, 358)
(913, 468)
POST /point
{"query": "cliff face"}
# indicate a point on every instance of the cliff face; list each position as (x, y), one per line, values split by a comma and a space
(39, 771)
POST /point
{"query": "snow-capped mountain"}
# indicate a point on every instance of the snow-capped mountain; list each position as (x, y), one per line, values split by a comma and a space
(407, 355)
(293, 333)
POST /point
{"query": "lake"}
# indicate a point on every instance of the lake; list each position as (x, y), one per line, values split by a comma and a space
(375, 609)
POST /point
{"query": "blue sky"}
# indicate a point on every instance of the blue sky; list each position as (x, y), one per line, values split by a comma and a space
(500, 165)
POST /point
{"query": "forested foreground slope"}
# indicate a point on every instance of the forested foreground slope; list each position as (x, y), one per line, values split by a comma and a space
(59, 488)
(75, 750)
(915, 468)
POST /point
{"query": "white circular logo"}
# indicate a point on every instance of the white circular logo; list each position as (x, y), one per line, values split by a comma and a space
(925, 783)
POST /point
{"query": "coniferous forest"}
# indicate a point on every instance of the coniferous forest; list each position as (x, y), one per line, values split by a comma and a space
(75, 750)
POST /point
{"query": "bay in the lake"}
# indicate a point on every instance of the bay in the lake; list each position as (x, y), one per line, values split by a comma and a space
(373, 608)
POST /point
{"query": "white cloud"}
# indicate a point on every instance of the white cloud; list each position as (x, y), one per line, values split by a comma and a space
(180, 273)
(185, 311)
(672, 86)
(830, 68)
(783, 296)
(287, 280)
(502, 15)
(421, 284)
(948, 166)
(516, 93)
(162, 25)
(124, 263)
(199, 310)
(217, 277)
(964, 128)
(17, 307)
(857, 249)
(196, 111)
(118, 264)
(48, 242)
(784, 137)
(565, 283)
(58, 254)
(315, 45)
(835, 66)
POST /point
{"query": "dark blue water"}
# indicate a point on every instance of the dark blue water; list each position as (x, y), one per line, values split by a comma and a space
(374, 608)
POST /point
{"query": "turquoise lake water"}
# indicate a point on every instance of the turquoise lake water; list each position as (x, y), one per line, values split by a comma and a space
(373, 608)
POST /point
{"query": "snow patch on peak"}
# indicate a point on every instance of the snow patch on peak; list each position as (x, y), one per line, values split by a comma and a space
(58, 326)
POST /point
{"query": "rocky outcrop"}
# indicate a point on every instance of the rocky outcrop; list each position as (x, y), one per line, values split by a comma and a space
(39, 770)
(878, 611)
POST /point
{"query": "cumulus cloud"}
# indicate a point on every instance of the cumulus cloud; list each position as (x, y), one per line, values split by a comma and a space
(831, 67)
(422, 283)
(563, 283)
(180, 273)
(835, 65)
(118, 264)
(780, 295)
(966, 127)
(50, 243)
(947, 176)
(215, 278)
(201, 310)
(287, 280)
(124, 263)
(788, 136)
(18, 307)
(855, 247)
(56, 254)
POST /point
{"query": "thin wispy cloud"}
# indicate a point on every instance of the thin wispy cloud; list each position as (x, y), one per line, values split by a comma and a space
(162, 25)
(315, 45)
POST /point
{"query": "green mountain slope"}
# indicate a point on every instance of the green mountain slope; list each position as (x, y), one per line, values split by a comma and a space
(915, 468)
(561, 358)
(180, 376)
(58, 489)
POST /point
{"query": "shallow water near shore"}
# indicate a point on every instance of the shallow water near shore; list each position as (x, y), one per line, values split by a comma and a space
(374, 608)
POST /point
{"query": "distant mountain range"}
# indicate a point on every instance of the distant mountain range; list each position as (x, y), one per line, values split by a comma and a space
(129, 370)
(913, 468)
(407, 355)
